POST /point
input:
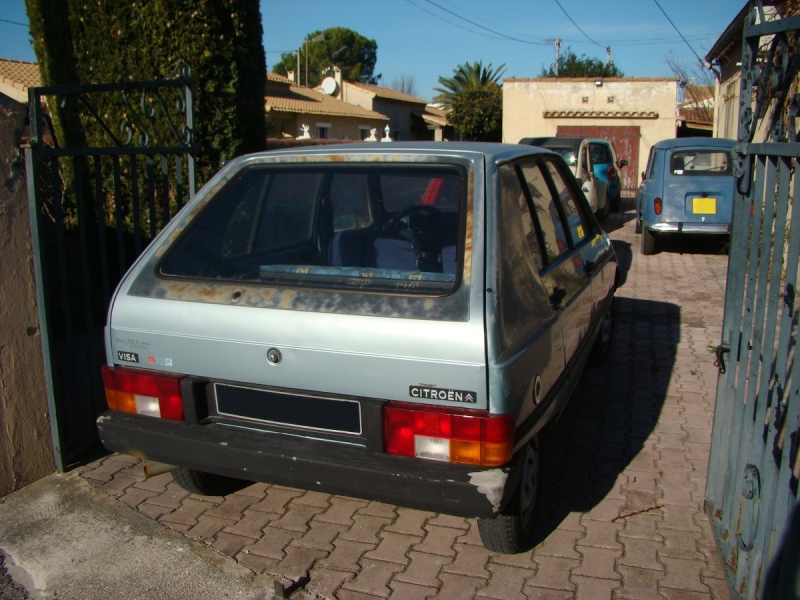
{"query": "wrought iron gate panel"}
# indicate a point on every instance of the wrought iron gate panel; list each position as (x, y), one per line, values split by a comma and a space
(752, 486)
(93, 210)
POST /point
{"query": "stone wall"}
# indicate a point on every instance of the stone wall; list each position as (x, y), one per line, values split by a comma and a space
(26, 452)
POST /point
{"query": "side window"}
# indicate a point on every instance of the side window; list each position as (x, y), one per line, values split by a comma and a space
(553, 234)
(651, 163)
(573, 210)
(514, 196)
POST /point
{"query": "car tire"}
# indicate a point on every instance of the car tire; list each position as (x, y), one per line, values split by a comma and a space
(511, 532)
(614, 203)
(602, 214)
(649, 242)
(207, 484)
(601, 349)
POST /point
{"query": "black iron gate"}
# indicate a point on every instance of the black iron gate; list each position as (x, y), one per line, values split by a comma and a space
(752, 488)
(94, 208)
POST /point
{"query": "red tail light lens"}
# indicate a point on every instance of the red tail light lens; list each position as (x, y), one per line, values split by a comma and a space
(457, 436)
(612, 173)
(657, 206)
(143, 392)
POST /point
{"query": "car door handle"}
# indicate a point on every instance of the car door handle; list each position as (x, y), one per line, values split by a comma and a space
(556, 298)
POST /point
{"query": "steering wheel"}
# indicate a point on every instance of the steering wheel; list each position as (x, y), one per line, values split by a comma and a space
(423, 225)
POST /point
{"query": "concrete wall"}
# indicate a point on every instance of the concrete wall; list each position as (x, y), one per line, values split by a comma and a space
(26, 452)
(537, 107)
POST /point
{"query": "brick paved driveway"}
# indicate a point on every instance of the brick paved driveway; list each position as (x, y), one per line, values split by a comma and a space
(623, 473)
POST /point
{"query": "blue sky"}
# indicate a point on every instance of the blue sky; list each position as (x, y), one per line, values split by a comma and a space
(426, 39)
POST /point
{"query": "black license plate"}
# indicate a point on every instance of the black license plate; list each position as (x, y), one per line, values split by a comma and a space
(310, 412)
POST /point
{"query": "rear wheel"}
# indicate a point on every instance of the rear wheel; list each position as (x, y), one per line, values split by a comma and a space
(649, 242)
(511, 532)
(207, 484)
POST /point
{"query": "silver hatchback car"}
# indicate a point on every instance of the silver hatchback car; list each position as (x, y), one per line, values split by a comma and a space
(395, 322)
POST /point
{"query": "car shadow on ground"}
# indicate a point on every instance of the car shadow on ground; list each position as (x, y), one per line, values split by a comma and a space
(611, 415)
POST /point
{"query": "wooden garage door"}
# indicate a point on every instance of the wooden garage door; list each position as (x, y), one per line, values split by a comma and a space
(626, 145)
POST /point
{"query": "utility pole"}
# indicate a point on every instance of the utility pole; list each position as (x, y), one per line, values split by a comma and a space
(608, 56)
(557, 42)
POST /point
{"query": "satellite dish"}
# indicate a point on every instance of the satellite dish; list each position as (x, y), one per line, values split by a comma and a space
(329, 86)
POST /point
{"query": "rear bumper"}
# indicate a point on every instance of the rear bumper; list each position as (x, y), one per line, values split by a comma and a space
(709, 228)
(309, 464)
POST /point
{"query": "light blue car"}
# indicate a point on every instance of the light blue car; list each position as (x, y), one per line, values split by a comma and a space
(687, 188)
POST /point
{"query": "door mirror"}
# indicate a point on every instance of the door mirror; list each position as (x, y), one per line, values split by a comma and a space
(622, 163)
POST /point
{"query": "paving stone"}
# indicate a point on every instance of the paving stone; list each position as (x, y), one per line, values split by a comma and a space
(230, 544)
(553, 573)
(297, 563)
(312, 499)
(158, 483)
(298, 518)
(341, 510)
(410, 591)
(373, 578)
(153, 510)
(207, 527)
(561, 542)
(638, 583)
(135, 496)
(459, 586)
(379, 509)
(449, 521)
(273, 543)
(592, 588)
(365, 528)
(276, 500)
(251, 524)
(506, 583)
(345, 555)
(232, 507)
(683, 575)
(171, 498)
(119, 484)
(319, 536)
(438, 540)
(188, 512)
(597, 562)
(469, 560)
(327, 582)
(393, 547)
(423, 569)
(256, 562)
(640, 554)
(409, 521)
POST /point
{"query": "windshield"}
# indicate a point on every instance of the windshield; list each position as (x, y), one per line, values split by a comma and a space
(396, 227)
(701, 162)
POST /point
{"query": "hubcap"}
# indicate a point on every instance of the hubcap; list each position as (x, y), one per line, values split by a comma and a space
(528, 485)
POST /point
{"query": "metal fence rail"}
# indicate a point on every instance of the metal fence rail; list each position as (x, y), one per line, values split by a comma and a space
(93, 209)
(752, 487)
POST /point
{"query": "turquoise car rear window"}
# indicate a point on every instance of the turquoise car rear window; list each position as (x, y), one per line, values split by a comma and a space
(700, 162)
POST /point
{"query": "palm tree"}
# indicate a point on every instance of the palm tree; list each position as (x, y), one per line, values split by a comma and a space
(467, 77)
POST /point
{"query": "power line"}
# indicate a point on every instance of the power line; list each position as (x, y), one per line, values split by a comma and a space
(14, 22)
(576, 25)
(473, 23)
(679, 33)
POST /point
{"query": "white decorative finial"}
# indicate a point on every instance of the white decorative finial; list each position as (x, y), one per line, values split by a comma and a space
(386, 137)
(305, 135)
(372, 137)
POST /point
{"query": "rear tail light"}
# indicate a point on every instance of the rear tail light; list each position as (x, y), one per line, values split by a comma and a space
(143, 392)
(657, 206)
(612, 173)
(456, 436)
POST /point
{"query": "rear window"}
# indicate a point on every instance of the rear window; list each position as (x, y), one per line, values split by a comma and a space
(700, 162)
(396, 227)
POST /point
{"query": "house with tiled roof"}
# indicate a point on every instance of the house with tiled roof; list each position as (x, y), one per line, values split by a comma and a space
(293, 110)
(16, 77)
(410, 118)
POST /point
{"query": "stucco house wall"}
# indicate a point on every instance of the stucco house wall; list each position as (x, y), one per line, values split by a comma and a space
(537, 107)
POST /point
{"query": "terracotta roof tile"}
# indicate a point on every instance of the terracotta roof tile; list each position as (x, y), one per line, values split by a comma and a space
(303, 100)
(601, 114)
(387, 93)
(18, 74)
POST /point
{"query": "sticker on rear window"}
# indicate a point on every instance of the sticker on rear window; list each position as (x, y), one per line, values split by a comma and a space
(431, 393)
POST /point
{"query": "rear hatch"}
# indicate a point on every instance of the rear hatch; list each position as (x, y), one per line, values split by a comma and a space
(310, 327)
(698, 187)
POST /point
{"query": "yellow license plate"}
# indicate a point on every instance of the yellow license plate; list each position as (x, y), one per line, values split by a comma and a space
(704, 206)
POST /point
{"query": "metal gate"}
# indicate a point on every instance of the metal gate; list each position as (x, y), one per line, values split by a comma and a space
(94, 208)
(751, 492)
